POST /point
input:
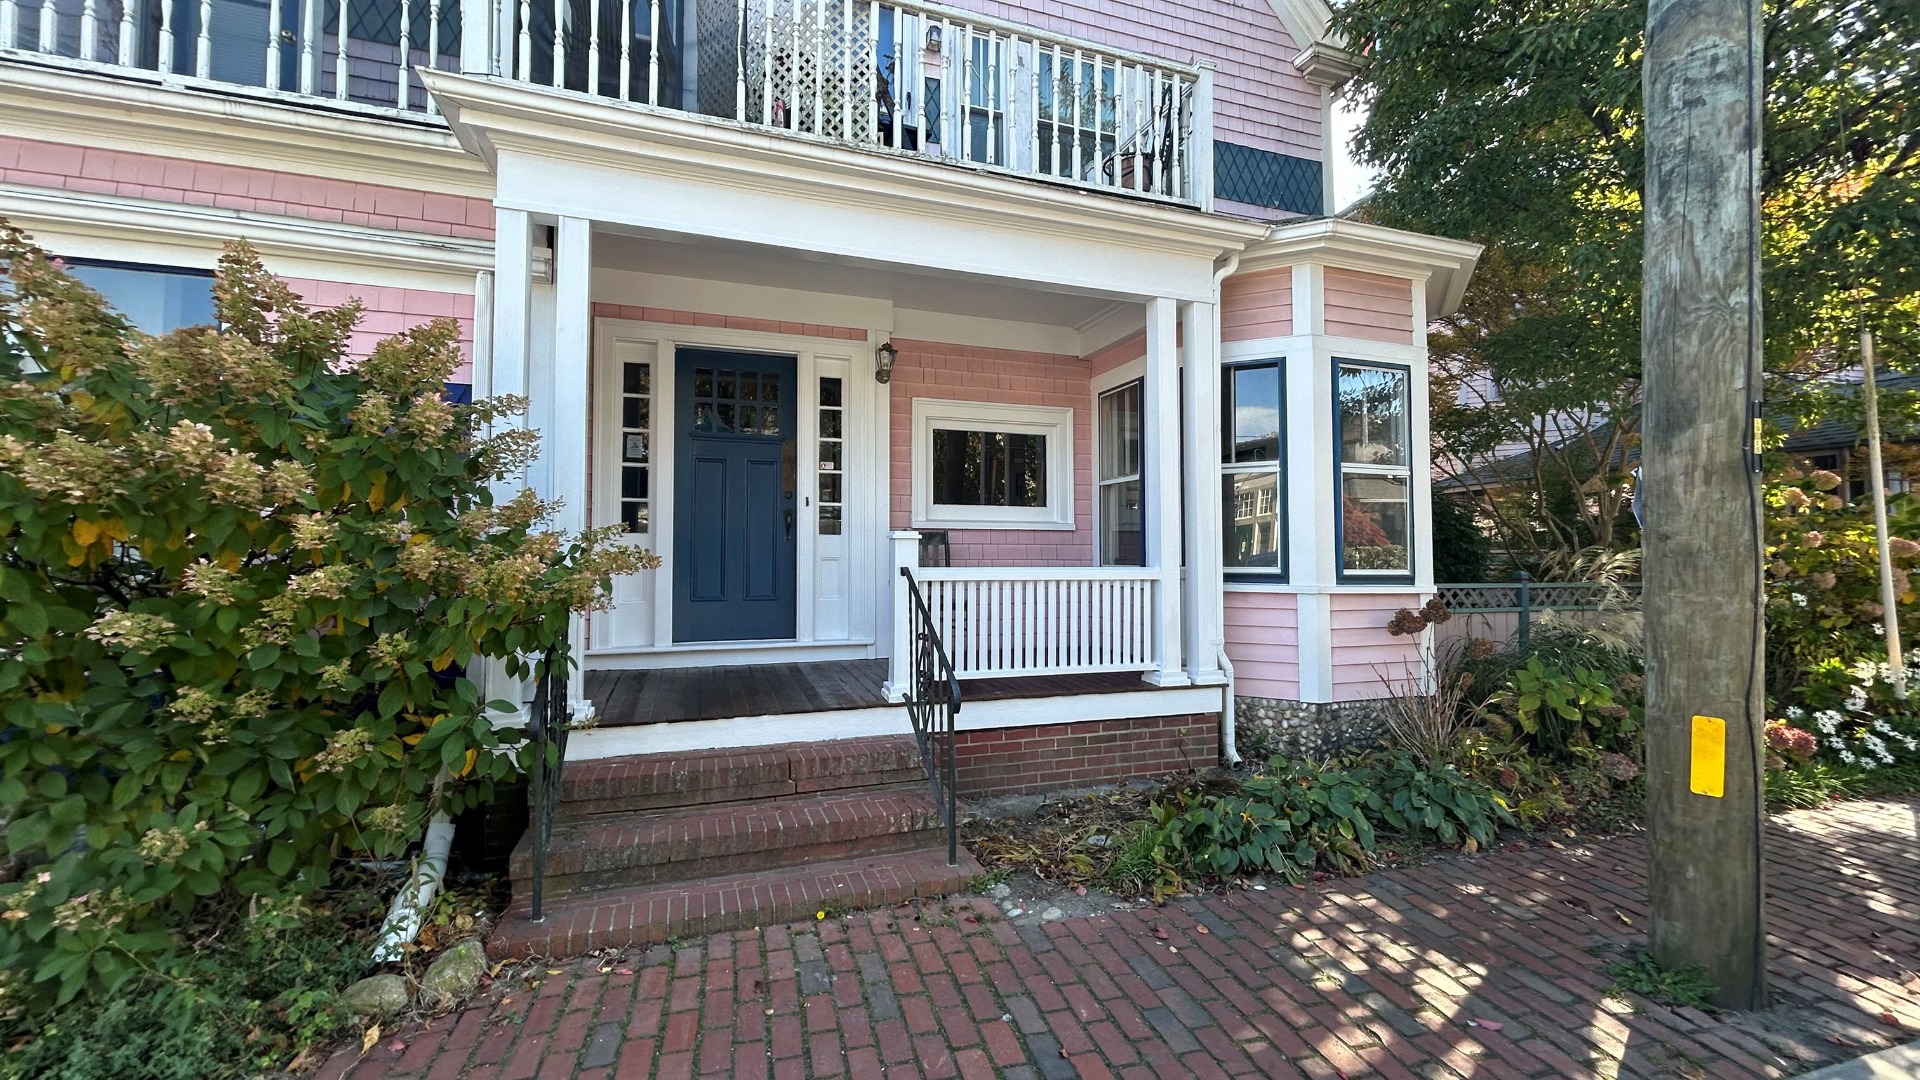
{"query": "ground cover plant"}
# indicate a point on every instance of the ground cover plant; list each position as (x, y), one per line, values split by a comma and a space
(242, 580)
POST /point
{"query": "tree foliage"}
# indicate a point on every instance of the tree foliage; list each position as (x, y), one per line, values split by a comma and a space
(1518, 123)
(240, 584)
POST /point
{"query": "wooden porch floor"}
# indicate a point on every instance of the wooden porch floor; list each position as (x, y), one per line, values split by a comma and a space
(626, 697)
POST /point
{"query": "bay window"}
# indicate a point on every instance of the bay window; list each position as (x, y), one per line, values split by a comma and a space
(1376, 470)
(1253, 468)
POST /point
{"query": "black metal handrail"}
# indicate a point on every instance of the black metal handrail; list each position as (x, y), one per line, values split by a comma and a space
(548, 722)
(933, 700)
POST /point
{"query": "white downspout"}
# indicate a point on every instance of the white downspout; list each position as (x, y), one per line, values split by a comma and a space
(1227, 722)
(411, 903)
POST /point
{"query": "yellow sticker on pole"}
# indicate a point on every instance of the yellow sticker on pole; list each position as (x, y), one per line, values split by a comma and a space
(1709, 756)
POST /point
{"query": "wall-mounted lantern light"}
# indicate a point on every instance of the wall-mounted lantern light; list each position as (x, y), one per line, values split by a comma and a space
(883, 358)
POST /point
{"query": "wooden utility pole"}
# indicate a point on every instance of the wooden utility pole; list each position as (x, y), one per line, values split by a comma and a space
(1701, 346)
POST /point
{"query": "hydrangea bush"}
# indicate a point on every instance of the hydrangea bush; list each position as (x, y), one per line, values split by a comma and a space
(240, 585)
(1824, 613)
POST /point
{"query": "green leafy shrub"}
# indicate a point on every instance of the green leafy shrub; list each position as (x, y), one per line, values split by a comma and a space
(254, 993)
(1560, 708)
(1300, 817)
(1684, 987)
(1437, 803)
(240, 582)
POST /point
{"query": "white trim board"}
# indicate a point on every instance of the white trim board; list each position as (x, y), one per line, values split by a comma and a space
(187, 119)
(691, 735)
(145, 230)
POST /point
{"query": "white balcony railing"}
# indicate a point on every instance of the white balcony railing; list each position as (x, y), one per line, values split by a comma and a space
(344, 51)
(911, 77)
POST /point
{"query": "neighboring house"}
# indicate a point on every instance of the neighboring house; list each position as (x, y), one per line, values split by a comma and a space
(1037, 303)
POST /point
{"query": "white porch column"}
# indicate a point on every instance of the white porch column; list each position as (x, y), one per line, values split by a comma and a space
(564, 444)
(1313, 562)
(905, 545)
(1160, 453)
(500, 370)
(1203, 602)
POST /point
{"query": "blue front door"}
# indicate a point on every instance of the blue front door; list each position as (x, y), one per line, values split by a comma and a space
(734, 553)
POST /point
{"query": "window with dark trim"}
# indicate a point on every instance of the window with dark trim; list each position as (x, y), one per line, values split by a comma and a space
(1122, 514)
(1253, 468)
(156, 299)
(1372, 411)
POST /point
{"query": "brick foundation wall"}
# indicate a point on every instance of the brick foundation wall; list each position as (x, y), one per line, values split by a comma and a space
(1022, 760)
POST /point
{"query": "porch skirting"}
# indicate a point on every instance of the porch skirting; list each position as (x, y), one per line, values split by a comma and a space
(1268, 726)
(1024, 760)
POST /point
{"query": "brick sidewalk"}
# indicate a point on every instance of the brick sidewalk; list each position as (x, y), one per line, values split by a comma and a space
(1493, 966)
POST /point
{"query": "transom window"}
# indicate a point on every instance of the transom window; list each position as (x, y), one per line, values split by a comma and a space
(636, 423)
(1122, 522)
(992, 466)
(1253, 467)
(1376, 471)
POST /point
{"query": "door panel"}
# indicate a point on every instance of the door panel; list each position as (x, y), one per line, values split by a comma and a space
(734, 524)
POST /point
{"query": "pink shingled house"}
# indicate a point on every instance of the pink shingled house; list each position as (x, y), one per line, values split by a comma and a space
(1039, 303)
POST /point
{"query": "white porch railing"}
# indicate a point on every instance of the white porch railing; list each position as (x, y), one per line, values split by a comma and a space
(361, 52)
(1002, 621)
(998, 622)
(914, 77)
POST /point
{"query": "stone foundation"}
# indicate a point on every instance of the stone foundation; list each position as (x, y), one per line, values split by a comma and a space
(1267, 726)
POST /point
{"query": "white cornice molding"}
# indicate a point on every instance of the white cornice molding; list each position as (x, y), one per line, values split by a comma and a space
(1326, 64)
(193, 235)
(191, 119)
(1445, 265)
(490, 115)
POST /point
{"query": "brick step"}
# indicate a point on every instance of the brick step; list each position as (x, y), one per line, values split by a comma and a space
(615, 786)
(649, 915)
(683, 843)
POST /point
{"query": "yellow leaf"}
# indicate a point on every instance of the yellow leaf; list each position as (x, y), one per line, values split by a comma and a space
(467, 765)
(369, 1037)
(443, 661)
(85, 532)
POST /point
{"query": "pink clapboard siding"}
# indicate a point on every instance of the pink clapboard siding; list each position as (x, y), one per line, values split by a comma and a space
(231, 187)
(728, 322)
(1370, 306)
(1259, 99)
(929, 369)
(1368, 662)
(387, 311)
(1263, 641)
(1257, 306)
(1122, 352)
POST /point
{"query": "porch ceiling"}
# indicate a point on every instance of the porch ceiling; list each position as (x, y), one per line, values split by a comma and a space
(931, 290)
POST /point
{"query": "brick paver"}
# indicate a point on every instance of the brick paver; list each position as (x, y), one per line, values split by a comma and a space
(1488, 966)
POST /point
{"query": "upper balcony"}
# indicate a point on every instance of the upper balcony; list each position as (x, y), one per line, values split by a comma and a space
(907, 78)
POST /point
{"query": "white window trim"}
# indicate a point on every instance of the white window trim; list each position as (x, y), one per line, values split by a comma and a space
(1056, 424)
(1396, 472)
